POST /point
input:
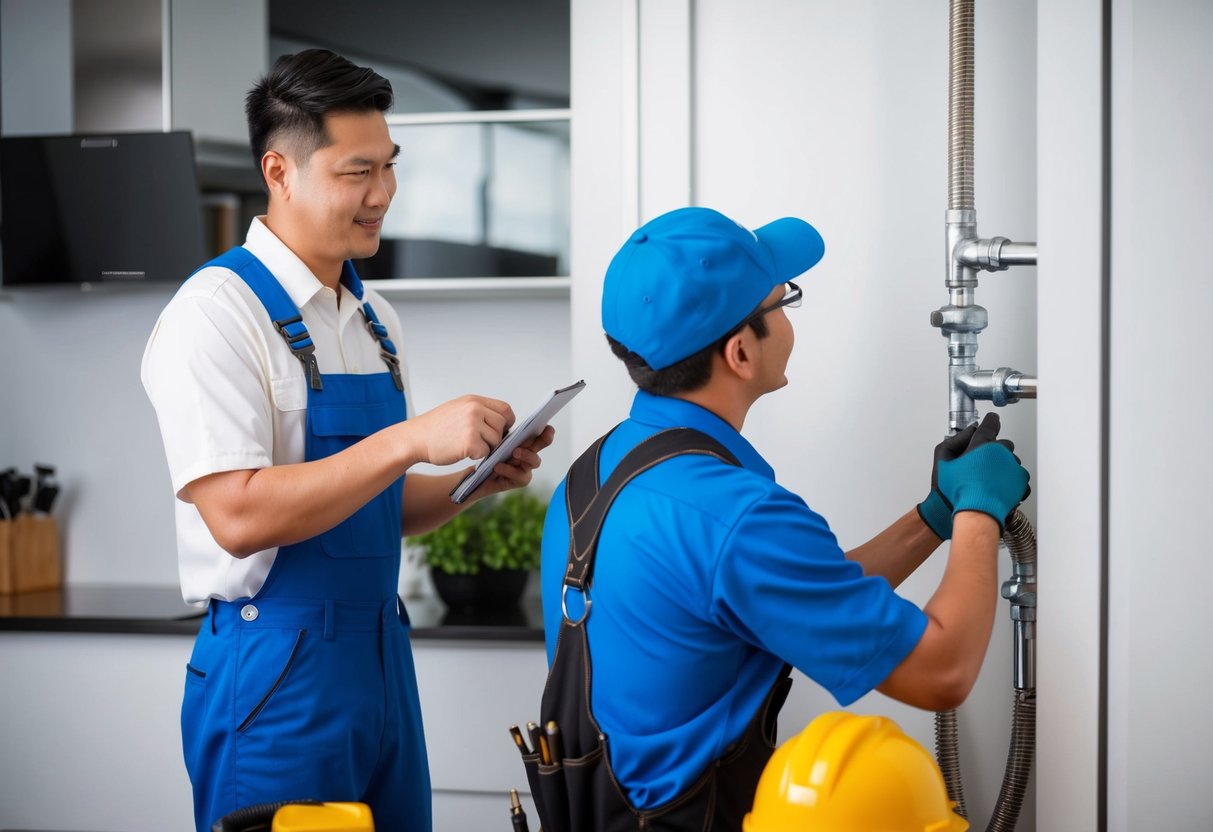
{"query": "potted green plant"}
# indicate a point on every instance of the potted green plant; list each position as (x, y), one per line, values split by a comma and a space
(480, 559)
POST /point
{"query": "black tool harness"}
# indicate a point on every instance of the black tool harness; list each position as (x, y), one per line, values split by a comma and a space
(579, 792)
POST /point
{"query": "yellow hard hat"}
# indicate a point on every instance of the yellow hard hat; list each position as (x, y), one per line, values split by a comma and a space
(323, 817)
(850, 773)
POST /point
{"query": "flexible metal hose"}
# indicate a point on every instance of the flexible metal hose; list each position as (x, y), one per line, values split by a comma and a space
(1019, 763)
(1020, 539)
(960, 106)
(947, 754)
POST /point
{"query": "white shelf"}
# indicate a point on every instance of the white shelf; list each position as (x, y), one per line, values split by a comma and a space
(472, 288)
(478, 117)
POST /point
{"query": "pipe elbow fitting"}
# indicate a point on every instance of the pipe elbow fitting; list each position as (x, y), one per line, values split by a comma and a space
(982, 253)
(1001, 387)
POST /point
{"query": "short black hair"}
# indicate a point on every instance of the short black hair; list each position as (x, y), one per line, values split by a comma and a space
(289, 104)
(685, 376)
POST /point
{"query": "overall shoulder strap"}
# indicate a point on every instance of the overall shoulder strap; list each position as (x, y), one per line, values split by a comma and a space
(588, 504)
(387, 350)
(278, 304)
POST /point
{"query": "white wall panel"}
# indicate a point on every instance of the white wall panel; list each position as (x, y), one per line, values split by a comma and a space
(1159, 723)
(1070, 455)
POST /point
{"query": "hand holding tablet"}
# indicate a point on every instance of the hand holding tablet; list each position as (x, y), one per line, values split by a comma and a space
(529, 428)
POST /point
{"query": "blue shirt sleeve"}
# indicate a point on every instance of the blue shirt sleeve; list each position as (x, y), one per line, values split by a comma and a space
(783, 584)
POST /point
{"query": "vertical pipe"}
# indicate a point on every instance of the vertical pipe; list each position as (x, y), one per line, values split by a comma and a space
(960, 107)
(960, 223)
(961, 217)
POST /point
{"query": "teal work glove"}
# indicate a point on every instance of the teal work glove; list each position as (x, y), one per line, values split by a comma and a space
(986, 478)
(935, 511)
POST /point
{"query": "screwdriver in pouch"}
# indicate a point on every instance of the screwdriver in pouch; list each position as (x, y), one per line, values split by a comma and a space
(555, 746)
(540, 742)
(519, 741)
(517, 816)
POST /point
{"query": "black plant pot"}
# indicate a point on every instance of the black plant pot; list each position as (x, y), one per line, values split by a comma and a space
(488, 589)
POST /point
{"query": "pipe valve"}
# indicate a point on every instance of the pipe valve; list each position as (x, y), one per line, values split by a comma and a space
(952, 318)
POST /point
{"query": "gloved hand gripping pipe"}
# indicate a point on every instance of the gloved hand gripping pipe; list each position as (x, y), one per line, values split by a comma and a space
(961, 321)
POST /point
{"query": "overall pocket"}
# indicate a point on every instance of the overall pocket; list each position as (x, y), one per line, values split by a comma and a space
(263, 662)
(193, 717)
(373, 531)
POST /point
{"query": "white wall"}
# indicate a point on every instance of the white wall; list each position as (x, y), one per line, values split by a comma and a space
(1159, 722)
(836, 113)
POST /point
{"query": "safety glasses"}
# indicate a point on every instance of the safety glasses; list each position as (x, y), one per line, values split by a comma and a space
(791, 298)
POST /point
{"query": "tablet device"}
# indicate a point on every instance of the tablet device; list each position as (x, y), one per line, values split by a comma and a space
(530, 427)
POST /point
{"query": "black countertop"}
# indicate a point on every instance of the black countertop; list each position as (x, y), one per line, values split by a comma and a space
(159, 610)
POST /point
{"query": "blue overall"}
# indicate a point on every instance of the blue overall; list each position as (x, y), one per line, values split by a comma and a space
(307, 689)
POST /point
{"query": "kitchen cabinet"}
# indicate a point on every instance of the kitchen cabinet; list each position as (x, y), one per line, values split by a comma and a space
(92, 740)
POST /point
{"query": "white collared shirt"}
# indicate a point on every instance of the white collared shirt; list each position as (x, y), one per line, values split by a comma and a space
(229, 395)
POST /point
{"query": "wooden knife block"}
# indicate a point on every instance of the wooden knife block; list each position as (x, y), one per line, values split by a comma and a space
(29, 554)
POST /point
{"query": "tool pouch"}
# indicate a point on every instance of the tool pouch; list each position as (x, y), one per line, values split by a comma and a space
(29, 554)
(578, 792)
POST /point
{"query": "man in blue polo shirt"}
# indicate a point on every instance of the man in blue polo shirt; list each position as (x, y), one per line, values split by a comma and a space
(710, 578)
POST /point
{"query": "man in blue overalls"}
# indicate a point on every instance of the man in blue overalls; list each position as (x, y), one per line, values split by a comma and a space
(676, 606)
(280, 395)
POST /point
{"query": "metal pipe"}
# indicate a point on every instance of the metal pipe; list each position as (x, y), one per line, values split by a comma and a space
(1020, 590)
(961, 322)
(994, 254)
(1019, 254)
(1002, 386)
(1021, 386)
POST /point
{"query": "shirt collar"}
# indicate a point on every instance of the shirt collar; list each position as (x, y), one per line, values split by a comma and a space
(667, 412)
(300, 284)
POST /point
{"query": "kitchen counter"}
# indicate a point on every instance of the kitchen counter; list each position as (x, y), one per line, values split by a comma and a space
(159, 610)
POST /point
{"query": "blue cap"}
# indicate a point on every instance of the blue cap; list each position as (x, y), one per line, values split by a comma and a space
(687, 277)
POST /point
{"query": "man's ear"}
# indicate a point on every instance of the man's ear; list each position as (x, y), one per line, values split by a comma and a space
(737, 357)
(274, 168)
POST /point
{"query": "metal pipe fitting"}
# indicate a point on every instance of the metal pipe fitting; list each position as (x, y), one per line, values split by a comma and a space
(1020, 590)
(994, 254)
(953, 318)
(962, 355)
(1002, 386)
(1021, 386)
(960, 226)
(1018, 254)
